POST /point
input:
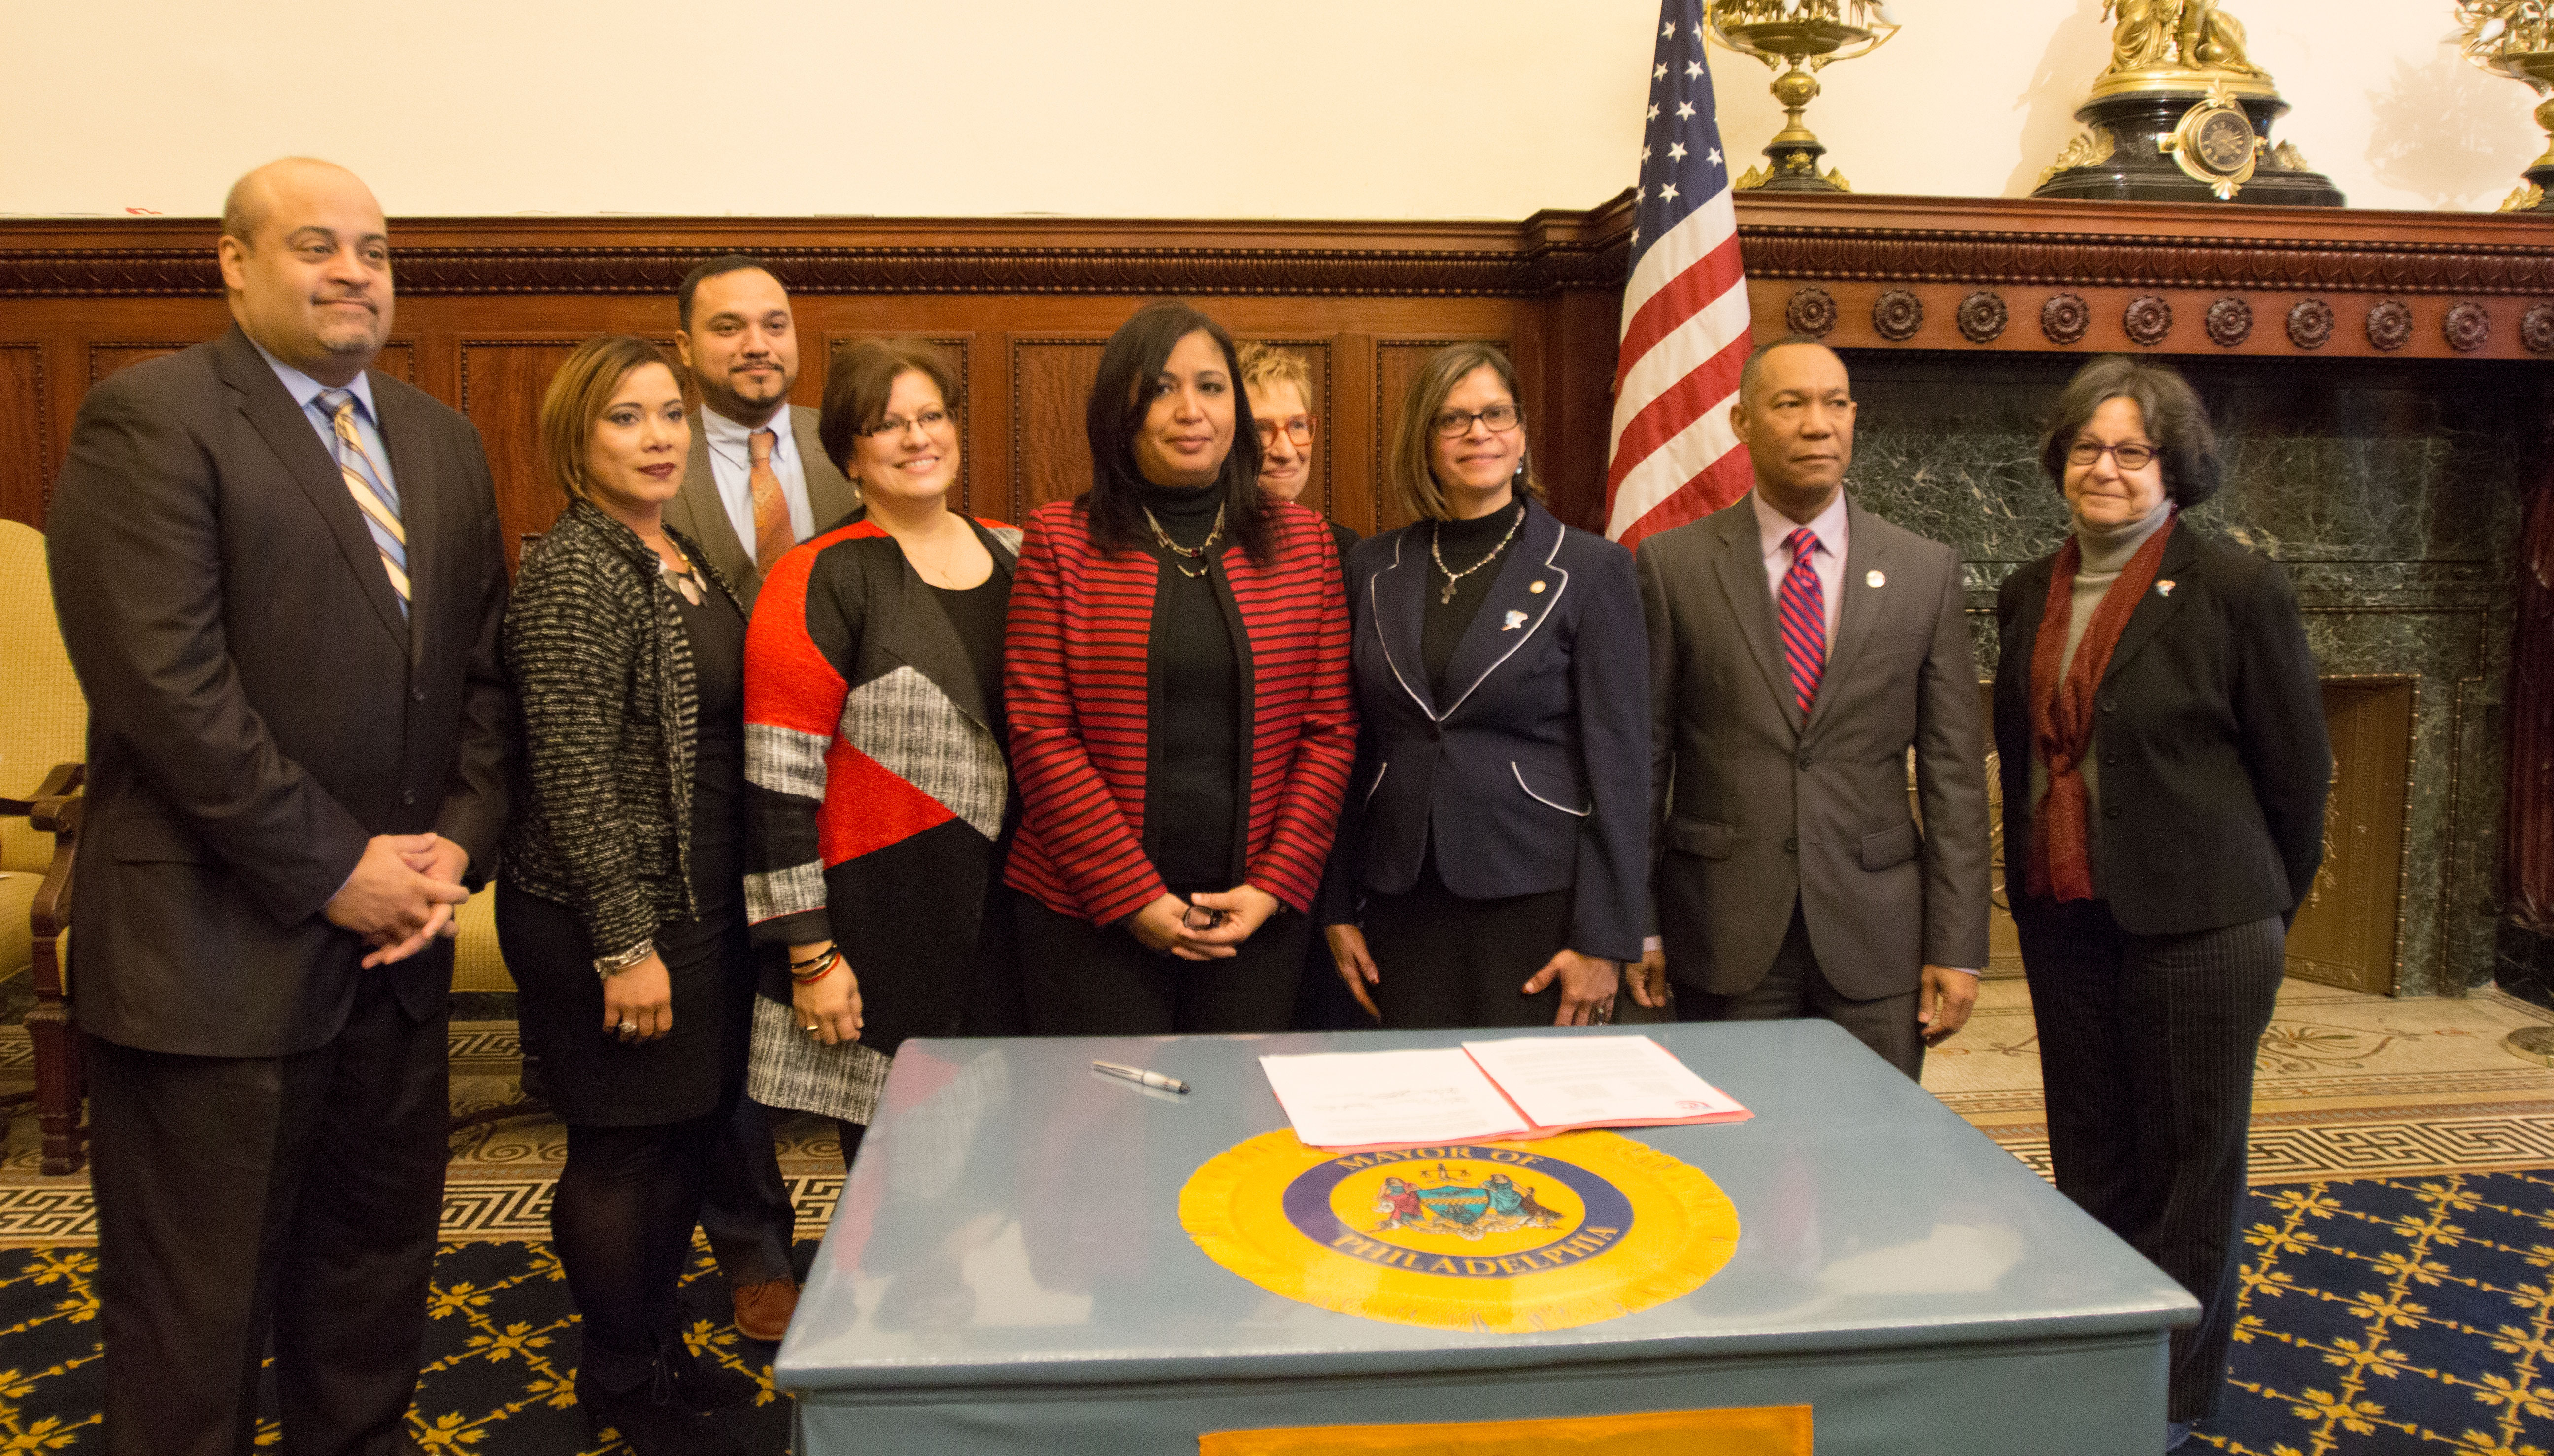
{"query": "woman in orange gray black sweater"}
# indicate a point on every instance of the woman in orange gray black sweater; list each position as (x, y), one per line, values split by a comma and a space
(873, 750)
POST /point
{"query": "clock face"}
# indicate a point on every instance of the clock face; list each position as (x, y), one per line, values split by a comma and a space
(2224, 140)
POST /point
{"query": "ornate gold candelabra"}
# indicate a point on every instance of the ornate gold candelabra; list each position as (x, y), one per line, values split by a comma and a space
(2515, 39)
(1808, 35)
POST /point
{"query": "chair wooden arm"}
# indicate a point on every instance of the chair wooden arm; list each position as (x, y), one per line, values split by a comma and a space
(55, 809)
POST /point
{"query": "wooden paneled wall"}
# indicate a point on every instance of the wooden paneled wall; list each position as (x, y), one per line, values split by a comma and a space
(486, 310)
(487, 306)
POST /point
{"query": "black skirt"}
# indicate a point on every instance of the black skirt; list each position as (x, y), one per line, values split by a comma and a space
(592, 1078)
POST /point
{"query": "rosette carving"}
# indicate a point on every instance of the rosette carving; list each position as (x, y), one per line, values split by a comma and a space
(1896, 316)
(1813, 311)
(2389, 324)
(1982, 317)
(2230, 322)
(2064, 318)
(2147, 319)
(2310, 324)
(2536, 328)
(2467, 327)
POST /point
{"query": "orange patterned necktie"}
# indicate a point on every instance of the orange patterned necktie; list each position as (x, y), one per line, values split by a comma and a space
(772, 530)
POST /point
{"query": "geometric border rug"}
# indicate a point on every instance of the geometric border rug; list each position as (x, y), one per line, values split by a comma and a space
(2376, 1317)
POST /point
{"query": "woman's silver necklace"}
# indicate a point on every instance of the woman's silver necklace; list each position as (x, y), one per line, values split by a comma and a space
(1195, 553)
(1445, 598)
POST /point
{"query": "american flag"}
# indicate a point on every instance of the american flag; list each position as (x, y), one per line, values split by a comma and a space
(1672, 457)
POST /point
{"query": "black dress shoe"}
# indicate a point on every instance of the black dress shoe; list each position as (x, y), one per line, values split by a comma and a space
(653, 1419)
(701, 1382)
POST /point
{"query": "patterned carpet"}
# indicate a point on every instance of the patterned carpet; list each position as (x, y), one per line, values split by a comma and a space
(2348, 1086)
(2412, 1316)
(2407, 1311)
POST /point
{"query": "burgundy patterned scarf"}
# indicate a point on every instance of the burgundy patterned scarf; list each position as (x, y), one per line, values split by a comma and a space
(2061, 712)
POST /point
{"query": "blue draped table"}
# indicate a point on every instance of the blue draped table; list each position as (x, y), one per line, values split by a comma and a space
(1006, 1273)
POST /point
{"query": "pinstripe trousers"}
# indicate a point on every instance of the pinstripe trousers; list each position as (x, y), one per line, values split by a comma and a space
(2147, 1045)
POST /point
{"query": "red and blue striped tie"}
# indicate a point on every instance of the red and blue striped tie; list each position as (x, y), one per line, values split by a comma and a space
(1803, 608)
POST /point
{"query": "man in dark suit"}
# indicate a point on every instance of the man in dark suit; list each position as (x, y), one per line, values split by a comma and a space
(758, 484)
(1798, 647)
(280, 576)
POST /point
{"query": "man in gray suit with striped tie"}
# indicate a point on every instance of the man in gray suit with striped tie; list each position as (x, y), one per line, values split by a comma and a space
(1798, 647)
(279, 576)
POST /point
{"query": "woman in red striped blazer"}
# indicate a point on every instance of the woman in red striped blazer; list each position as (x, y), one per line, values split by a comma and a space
(1177, 675)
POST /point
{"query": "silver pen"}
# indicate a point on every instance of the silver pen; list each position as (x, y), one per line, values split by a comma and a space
(1139, 1074)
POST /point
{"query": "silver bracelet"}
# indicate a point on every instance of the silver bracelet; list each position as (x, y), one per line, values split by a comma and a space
(607, 966)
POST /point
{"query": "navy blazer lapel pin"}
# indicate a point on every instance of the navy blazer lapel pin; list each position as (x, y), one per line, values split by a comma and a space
(1515, 619)
(2165, 588)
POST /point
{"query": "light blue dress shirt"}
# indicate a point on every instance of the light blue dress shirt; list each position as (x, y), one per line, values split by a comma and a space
(306, 393)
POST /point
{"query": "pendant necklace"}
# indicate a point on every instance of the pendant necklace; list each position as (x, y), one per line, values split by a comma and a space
(684, 579)
(1190, 553)
(1445, 598)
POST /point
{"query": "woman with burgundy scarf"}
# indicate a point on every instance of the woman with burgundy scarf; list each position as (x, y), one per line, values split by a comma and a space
(2164, 766)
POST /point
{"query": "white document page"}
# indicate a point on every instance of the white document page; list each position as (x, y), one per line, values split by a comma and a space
(1367, 1099)
(1599, 1082)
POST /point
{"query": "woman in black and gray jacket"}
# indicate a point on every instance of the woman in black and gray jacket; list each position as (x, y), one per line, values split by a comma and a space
(619, 902)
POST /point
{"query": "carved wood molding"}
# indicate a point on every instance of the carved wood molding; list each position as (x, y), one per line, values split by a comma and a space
(2036, 241)
(1545, 254)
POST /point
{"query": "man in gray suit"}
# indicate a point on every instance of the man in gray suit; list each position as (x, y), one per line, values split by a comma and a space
(279, 578)
(1798, 647)
(758, 484)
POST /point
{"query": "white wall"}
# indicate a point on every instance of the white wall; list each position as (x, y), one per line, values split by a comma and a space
(1309, 108)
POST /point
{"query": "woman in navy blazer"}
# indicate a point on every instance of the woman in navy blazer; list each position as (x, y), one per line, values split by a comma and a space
(1489, 865)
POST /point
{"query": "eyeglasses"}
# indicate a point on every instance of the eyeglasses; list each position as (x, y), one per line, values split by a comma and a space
(1501, 418)
(2130, 457)
(1298, 429)
(929, 421)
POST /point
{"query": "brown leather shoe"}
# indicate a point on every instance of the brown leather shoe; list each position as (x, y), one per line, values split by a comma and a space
(763, 1308)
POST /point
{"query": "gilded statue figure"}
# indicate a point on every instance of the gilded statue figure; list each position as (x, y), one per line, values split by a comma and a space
(2177, 35)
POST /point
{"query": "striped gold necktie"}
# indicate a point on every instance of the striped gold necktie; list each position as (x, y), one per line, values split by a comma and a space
(373, 493)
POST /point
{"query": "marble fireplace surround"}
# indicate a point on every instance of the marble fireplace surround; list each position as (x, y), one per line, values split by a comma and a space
(2381, 383)
(2381, 380)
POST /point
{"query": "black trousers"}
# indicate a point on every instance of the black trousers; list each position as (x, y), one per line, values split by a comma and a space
(1797, 987)
(293, 1196)
(2146, 1046)
(1079, 979)
(1447, 962)
(746, 1209)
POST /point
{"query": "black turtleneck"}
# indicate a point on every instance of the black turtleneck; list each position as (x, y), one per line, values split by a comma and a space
(1192, 797)
(1461, 543)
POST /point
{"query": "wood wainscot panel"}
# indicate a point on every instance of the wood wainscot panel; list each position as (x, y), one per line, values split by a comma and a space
(2348, 932)
(1396, 362)
(26, 451)
(1050, 390)
(958, 348)
(502, 380)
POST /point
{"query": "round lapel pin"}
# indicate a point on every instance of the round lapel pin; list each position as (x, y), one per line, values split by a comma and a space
(1875, 578)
